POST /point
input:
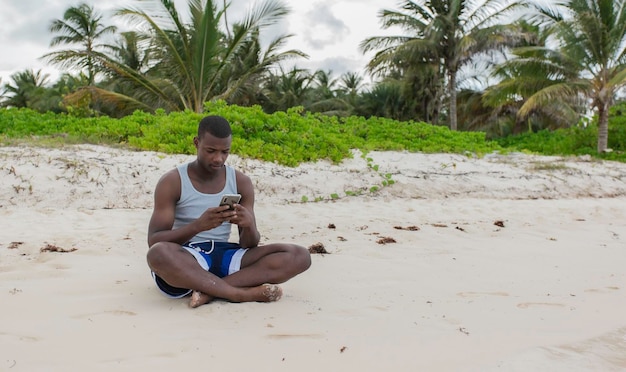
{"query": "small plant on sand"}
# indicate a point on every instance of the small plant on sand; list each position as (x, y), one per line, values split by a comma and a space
(386, 177)
(353, 193)
(387, 180)
(540, 166)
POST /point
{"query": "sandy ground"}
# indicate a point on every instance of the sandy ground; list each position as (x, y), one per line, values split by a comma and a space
(511, 263)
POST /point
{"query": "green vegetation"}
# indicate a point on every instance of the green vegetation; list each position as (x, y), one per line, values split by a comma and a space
(575, 140)
(560, 62)
(292, 137)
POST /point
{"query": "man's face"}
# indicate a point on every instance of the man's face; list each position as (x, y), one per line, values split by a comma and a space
(212, 151)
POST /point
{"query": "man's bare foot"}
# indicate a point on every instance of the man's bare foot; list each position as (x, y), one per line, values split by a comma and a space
(198, 299)
(261, 293)
(271, 292)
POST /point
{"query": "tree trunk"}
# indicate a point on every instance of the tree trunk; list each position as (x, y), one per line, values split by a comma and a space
(603, 126)
(520, 126)
(452, 94)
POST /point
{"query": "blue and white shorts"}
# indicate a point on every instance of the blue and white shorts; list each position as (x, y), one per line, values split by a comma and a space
(219, 258)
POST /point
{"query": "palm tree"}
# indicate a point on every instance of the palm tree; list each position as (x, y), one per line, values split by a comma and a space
(81, 27)
(351, 83)
(325, 97)
(521, 78)
(386, 99)
(505, 105)
(350, 86)
(27, 90)
(324, 84)
(591, 35)
(446, 35)
(132, 49)
(252, 61)
(196, 61)
(287, 89)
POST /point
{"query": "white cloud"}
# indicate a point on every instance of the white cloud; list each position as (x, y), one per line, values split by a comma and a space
(321, 27)
(329, 31)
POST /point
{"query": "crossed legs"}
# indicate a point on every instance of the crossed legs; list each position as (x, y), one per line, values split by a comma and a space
(261, 268)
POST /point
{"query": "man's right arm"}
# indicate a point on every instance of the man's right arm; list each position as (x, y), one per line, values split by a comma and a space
(166, 194)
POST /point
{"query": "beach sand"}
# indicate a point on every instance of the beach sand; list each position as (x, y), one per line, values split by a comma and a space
(506, 262)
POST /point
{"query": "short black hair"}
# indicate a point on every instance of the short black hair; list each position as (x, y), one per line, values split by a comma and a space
(215, 125)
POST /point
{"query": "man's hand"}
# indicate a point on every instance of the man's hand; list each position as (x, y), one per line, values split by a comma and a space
(214, 217)
(243, 217)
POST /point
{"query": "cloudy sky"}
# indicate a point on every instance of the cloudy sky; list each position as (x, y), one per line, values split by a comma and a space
(329, 31)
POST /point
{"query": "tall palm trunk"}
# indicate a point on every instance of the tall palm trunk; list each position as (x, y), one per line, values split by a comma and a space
(452, 93)
(603, 126)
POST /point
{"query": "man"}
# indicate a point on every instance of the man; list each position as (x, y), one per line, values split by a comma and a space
(188, 232)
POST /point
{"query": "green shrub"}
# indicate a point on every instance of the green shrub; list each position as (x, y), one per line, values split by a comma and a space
(577, 140)
(293, 137)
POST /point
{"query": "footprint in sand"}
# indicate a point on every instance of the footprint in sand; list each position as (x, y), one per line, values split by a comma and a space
(120, 312)
(526, 305)
(13, 337)
(107, 312)
(288, 336)
(601, 290)
(481, 294)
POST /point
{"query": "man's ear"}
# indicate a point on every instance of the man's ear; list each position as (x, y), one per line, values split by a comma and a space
(196, 141)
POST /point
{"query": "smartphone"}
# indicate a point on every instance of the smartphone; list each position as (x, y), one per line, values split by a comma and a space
(230, 200)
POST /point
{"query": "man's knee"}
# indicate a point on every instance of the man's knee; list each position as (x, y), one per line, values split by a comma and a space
(302, 258)
(157, 255)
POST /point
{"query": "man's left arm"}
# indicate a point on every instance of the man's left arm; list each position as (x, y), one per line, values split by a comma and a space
(249, 236)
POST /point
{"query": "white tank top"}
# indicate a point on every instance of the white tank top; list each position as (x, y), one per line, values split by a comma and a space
(193, 203)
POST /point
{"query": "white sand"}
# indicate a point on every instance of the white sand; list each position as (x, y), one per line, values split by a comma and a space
(454, 292)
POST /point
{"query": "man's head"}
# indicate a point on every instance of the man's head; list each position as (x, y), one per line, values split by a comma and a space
(215, 125)
(213, 142)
